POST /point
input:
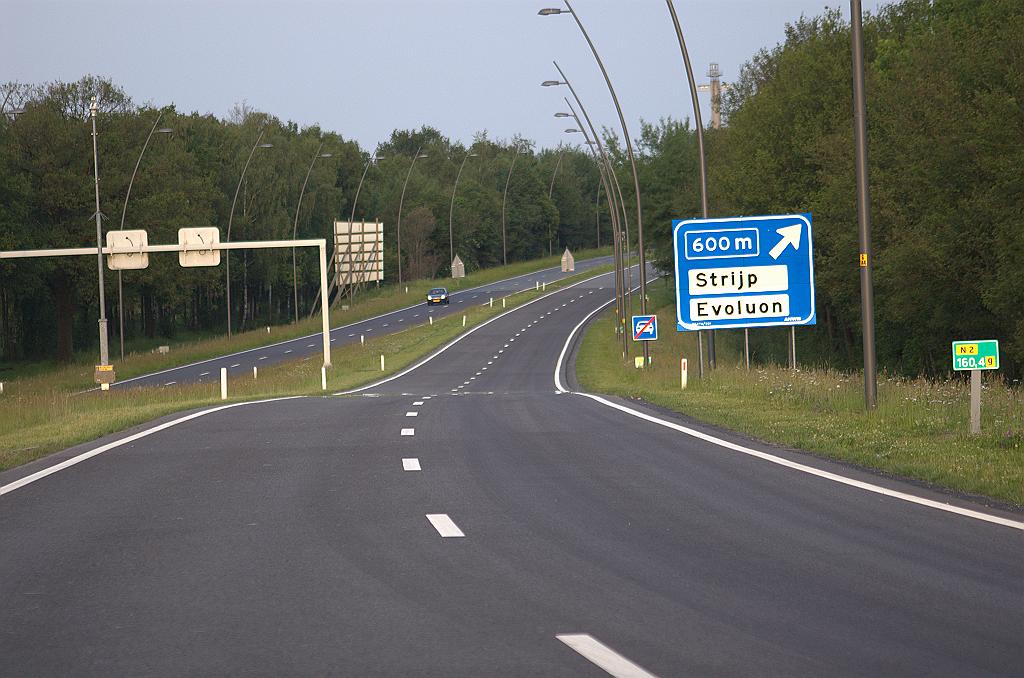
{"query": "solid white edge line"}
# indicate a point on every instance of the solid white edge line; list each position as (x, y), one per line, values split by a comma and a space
(339, 328)
(444, 525)
(67, 463)
(603, 656)
(462, 336)
(411, 464)
(869, 487)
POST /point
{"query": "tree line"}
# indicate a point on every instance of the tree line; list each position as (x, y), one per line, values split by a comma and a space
(188, 177)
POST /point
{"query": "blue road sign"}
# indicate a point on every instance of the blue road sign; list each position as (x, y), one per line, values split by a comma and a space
(645, 328)
(744, 272)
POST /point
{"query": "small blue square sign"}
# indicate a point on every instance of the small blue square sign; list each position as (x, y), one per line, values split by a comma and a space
(744, 272)
(645, 327)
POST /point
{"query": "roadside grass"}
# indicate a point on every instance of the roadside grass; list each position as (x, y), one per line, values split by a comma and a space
(919, 430)
(367, 304)
(42, 414)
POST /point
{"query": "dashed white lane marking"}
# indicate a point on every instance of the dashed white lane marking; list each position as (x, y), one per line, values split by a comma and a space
(412, 414)
(483, 368)
(289, 350)
(472, 378)
(263, 357)
(475, 296)
(493, 357)
(501, 350)
(511, 339)
(352, 335)
(203, 374)
(368, 329)
(401, 320)
(408, 431)
(333, 339)
(411, 464)
(491, 362)
(170, 383)
(235, 365)
(444, 525)
(418, 402)
(600, 654)
(385, 325)
(310, 345)
(416, 315)
(506, 346)
(465, 383)
(478, 374)
(427, 397)
(461, 300)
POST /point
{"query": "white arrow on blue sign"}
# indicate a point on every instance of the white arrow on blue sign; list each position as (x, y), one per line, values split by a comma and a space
(645, 328)
(744, 272)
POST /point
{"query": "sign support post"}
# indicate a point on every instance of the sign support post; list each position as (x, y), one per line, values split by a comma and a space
(975, 401)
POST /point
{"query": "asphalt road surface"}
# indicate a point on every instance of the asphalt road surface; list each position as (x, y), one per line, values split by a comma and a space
(312, 345)
(477, 517)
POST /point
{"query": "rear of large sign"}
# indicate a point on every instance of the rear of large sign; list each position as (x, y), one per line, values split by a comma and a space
(359, 251)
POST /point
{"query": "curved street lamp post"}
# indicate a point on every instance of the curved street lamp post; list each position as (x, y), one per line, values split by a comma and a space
(551, 188)
(231, 216)
(700, 150)
(451, 209)
(504, 196)
(632, 161)
(124, 211)
(295, 226)
(401, 202)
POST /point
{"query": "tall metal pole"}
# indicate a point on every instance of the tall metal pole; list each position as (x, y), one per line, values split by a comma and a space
(295, 227)
(551, 189)
(613, 208)
(597, 211)
(636, 177)
(231, 216)
(351, 220)
(867, 296)
(604, 169)
(504, 196)
(451, 210)
(124, 211)
(104, 355)
(700, 145)
(401, 202)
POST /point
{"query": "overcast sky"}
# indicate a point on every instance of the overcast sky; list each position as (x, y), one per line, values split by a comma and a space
(364, 68)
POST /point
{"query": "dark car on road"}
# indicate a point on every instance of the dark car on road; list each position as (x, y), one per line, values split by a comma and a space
(438, 295)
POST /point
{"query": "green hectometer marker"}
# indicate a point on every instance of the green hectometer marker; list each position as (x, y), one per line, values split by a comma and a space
(979, 354)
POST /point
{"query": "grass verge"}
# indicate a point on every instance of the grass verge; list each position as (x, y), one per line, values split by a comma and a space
(372, 302)
(919, 430)
(41, 415)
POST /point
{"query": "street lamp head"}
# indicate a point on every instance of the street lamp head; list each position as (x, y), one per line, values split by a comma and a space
(572, 130)
(165, 130)
(551, 83)
(562, 115)
(325, 155)
(550, 11)
(266, 145)
(422, 155)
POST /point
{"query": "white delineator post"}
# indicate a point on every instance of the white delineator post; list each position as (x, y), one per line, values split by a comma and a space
(682, 373)
(255, 374)
(223, 383)
(463, 321)
(381, 362)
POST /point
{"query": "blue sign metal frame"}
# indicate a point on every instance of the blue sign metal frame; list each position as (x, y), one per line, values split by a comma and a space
(640, 323)
(744, 272)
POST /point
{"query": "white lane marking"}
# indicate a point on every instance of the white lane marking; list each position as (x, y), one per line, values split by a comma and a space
(333, 339)
(412, 414)
(602, 655)
(493, 357)
(408, 431)
(483, 368)
(472, 378)
(596, 261)
(478, 374)
(475, 296)
(38, 475)
(459, 338)
(263, 357)
(427, 397)
(506, 346)
(385, 325)
(352, 335)
(235, 365)
(411, 464)
(310, 345)
(401, 320)
(444, 525)
(415, 315)
(289, 350)
(461, 300)
(418, 402)
(511, 339)
(203, 374)
(796, 466)
(491, 362)
(170, 383)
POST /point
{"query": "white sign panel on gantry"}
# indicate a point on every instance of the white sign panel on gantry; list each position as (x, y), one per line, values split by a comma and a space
(744, 272)
(359, 251)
